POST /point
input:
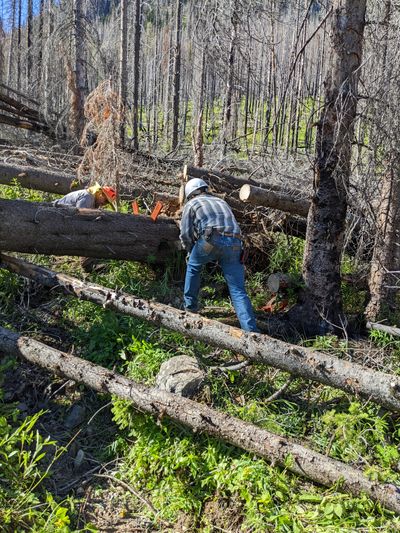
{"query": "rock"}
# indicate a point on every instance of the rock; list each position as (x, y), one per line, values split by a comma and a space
(75, 417)
(79, 458)
(180, 375)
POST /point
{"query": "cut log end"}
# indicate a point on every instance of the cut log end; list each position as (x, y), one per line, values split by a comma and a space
(244, 193)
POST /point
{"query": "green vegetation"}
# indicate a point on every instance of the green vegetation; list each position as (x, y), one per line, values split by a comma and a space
(25, 505)
(256, 136)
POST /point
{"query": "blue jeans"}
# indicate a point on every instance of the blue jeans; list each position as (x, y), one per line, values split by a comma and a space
(225, 250)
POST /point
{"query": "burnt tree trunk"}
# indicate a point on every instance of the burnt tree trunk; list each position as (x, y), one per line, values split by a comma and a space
(202, 419)
(378, 387)
(177, 73)
(327, 214)
(136, 76)
(77, 83)
(229, 76)
(123, 69)
(387, 239)
(44, 229)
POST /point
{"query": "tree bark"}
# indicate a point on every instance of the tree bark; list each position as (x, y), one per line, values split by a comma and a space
(43, 229)
(378, 387)
(384, 257)
(136, 76)
(202, 419)
(327, 215)
(40, 179)
(283, 202)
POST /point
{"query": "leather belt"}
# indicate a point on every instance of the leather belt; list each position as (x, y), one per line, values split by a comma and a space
(227, 234)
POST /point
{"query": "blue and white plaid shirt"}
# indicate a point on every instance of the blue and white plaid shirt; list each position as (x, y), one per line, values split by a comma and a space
(206, 211)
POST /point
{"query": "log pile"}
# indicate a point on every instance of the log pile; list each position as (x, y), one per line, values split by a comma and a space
(352, 378)
(15, 113)
(259, 208)
(200, 418)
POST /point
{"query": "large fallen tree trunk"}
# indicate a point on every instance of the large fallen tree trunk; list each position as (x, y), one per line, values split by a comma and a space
(203, 419)
(381, 388)
(275, 200)
(40, 179)
(43, 229)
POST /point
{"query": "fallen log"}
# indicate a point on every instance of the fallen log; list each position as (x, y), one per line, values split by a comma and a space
(353, 378)
(20, 109)
(214, 177)
(223, 182)
(40, 179)
(390, 330)
(275, 200)
(58, 182)
(40, 228)
(202, 419)
(26, 124)
(18, 93)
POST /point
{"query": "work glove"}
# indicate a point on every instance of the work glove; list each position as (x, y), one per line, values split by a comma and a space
(187, 257)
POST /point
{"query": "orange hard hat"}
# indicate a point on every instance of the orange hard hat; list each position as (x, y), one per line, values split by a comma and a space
(110, 194)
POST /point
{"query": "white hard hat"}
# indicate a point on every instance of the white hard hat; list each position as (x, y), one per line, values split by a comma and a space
(194, 185)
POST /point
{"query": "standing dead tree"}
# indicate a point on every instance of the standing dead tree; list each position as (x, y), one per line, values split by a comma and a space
(177, 73)
(136, 75)
(382, 109)
(327, 214)
(123, 69)
(76, 72)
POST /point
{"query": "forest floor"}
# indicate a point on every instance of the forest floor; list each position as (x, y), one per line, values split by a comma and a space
(120, 471)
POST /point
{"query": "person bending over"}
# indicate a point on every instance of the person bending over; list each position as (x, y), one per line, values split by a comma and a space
(210, 232)
(90, 198)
